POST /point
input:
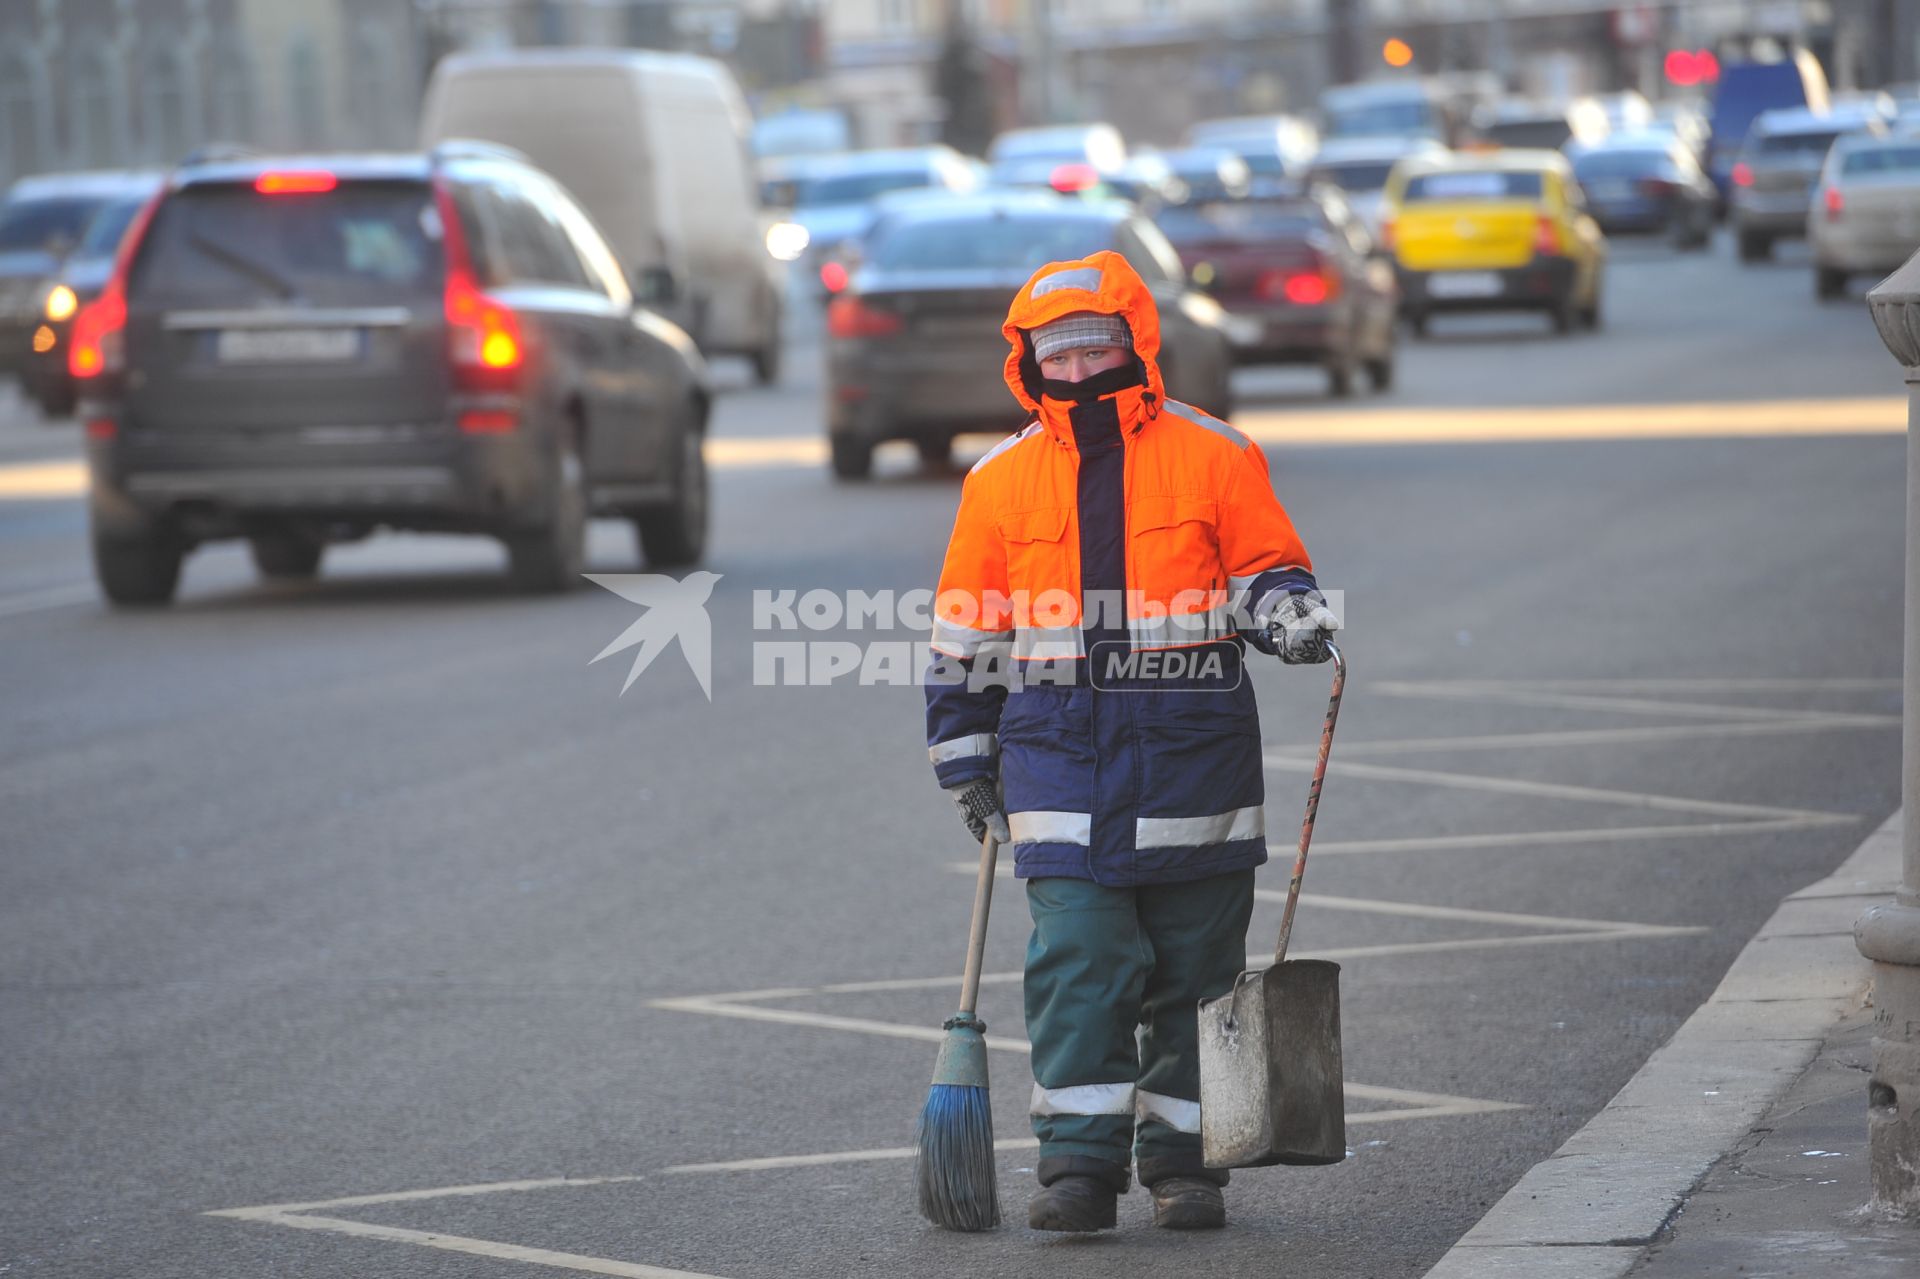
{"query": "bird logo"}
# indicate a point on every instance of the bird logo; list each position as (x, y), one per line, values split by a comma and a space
(676, 610)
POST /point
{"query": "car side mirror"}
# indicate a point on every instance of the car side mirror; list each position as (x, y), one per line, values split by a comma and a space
(655, 286)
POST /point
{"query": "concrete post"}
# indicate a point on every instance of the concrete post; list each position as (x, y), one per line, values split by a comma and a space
(1889, 934)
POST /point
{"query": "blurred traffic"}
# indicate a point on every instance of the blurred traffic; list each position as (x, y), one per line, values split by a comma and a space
(508, 330)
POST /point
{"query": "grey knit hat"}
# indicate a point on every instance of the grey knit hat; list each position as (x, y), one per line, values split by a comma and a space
(1082, 328)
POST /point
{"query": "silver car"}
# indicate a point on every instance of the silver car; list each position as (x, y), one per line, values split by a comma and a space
(1865, 214)
(1776, 171)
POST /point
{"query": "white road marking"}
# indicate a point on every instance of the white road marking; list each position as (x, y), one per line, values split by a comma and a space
(408, 1196)
(476, 1247)
(1559, 790)
(1548, 838)
(1617, 736)
(1520, 695)
(52, 597)
(1437, 1107)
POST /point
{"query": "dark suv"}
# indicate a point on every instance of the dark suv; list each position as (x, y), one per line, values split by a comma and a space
(301, 350)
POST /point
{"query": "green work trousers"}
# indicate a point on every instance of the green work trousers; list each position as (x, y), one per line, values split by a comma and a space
(1113, 984)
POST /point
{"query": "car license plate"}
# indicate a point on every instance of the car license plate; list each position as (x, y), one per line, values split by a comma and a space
(1463, 284)
(286, 346)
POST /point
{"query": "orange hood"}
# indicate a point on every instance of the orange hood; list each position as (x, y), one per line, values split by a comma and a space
(1104, 283)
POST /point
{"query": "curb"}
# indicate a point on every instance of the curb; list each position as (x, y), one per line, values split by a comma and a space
(1591, 1209)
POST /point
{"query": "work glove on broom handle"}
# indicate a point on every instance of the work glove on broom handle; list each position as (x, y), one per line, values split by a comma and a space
(1299, 628)
(979, 805)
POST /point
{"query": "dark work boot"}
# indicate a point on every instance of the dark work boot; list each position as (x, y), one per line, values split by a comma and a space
(1077, 1194)
(1189, 1203)
(1186, 1193)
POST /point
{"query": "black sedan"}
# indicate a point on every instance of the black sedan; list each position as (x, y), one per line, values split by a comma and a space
(42, 220)
(1299, 279)
(914, 349)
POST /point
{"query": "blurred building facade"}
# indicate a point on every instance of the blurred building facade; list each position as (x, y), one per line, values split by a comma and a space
(130, 83)
(103, 83)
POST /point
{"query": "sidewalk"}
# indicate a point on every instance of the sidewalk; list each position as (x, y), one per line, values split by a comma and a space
(1700, 1165)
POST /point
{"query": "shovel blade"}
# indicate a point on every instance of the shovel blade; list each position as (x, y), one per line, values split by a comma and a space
(1270, 1081)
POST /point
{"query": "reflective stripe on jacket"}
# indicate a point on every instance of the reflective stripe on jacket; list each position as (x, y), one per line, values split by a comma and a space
(1123, 525)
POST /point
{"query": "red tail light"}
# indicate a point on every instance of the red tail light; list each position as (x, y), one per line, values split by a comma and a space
(1302, 288)
(484, 338)
(833, 277)
(1546, 238)
(1742, 175)
(1835, 202)
(1386, 234)
(313, 183)
(97, 343)
(851, 318)
(483, 333)
(1074, 177)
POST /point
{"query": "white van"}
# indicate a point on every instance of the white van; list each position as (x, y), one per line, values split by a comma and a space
(654, 145)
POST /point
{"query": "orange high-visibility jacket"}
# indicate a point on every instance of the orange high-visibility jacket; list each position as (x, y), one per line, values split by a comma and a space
(1113, 530)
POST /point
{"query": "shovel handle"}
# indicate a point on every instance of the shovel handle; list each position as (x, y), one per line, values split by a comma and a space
(1313, 802)
(977, 939)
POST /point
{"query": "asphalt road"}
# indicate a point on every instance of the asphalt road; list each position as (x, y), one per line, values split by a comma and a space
(377, 887)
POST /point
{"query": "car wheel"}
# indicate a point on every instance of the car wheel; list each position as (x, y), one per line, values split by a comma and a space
(1829, 283)
(936, 451)
(675, 535)
(286, 553)
(551, 558)
(57, 404)
(1755, 247)
(1380, 372)
(766, 361)
(852, 457)
(1563, 313)
(1340, 378)
(138, 571)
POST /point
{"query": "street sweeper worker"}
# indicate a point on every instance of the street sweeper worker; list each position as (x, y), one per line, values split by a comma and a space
(1109, 564)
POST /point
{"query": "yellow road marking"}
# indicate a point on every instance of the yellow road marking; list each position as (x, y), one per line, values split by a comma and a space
(1874, 415)
(28, 481)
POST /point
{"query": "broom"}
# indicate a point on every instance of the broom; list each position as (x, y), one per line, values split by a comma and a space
(953, 1161)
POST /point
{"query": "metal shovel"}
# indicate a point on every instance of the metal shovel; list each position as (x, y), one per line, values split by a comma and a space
(1270, 1087)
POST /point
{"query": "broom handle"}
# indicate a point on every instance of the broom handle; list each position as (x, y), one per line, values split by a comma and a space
(1313, 803)
(977, 940)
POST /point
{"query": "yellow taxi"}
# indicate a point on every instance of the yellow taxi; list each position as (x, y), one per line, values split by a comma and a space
(1493, 231)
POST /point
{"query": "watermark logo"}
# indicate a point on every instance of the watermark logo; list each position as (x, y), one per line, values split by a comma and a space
(676, 610)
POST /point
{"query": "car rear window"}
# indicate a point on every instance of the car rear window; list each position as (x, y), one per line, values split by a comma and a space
(360, 243)
(1241, 221)
(1357, 175)
(988, 243)
(108, 225)
(1881, 160)
(36, 223)
(1795, 143)
(1622, 164)
(1483, 184)
(858, 188)
(1550, 134)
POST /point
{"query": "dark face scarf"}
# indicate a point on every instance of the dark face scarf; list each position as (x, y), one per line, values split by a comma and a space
(1105, 382)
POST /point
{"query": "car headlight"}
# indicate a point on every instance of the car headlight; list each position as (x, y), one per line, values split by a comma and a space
(787, 240)
(61, 303)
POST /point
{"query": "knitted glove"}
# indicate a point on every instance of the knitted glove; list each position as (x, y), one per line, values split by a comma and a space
(979, 805)
(1299, 627)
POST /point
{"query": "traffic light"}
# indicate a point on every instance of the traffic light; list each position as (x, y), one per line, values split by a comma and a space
(1689, 67)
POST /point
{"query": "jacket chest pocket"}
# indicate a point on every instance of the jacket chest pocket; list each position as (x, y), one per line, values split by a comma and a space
(1038, 556)
(1174, 545)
